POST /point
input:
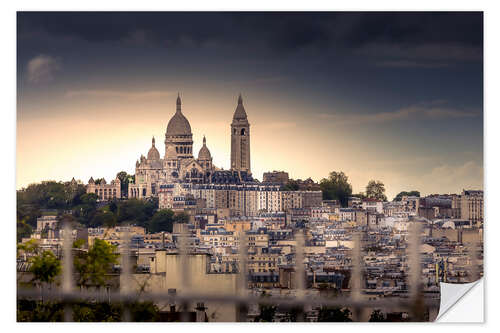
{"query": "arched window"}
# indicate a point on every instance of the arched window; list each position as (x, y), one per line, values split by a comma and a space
(194, 173)
(242, 131)
(143, 192)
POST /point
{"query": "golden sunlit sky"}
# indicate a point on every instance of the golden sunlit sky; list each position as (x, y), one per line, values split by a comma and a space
(323, 92)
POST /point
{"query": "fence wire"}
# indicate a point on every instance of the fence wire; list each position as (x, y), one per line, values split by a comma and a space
(414, 304)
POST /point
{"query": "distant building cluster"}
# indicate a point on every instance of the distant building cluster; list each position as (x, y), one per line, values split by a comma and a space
(246, 199)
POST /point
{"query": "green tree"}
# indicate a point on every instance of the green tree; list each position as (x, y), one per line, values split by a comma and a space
(97, 312)
(92, 266)
(132, 210)
(49, 195)
(405, 193)
(336, 187)
(125, 179)
(24, 230)
(267, 311)
(31, 247)
(181, 217)
(28, 213)
(376, 190)
(377, 316)
(103, 217)
(36, 311)
(163, 220)
(144, 311)
(113, 206)
(333, 314)
(291, 185)
(85, 311)
(44, 267)
(137, 211)
(89, 199)
(86, 209)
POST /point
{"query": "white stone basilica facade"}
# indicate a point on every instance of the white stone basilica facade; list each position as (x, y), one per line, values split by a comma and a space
(178, 165)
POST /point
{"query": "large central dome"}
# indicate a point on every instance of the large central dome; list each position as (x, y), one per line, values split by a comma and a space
(178, 124)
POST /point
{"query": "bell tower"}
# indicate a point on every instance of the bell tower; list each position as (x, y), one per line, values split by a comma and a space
(240, 139)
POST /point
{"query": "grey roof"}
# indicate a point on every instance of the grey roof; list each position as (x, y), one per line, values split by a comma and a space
(240, 113)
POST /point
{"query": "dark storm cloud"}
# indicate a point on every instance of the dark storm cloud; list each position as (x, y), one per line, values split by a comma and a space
(411, 27)
(273, 32)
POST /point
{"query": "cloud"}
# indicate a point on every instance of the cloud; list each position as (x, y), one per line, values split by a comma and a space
(429, 33)
(137, 37)
(446, 178)
(262, 80)
(432, 110)
(410, 64)
(428, 177)
(425, 51)
(280, 125)
(270, 79)
(149, 94)
(42, 68)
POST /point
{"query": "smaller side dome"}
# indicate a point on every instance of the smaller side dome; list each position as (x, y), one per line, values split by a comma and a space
(204, 153)
(153, 153)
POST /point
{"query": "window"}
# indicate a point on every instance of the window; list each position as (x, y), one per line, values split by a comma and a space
(243, 131)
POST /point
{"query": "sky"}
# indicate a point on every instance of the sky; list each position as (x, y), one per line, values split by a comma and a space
(395, 97)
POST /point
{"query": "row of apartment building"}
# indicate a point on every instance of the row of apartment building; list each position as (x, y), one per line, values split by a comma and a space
(242, 199)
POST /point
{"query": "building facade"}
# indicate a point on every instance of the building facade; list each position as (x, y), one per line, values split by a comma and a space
(179, 165)
(277, 177)
(105, 191)
(471, 206)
